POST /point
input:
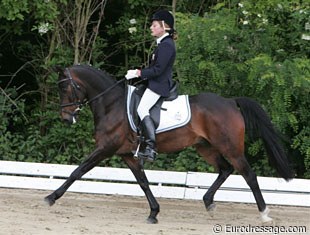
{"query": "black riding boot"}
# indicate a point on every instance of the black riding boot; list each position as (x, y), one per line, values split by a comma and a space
(148, 131)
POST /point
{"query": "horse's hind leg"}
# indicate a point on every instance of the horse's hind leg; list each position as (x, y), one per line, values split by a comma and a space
(224, 171)
(213, 157)
(139, 173)
(243, 167)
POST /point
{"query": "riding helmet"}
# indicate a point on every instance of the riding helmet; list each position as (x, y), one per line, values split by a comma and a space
(166, 16)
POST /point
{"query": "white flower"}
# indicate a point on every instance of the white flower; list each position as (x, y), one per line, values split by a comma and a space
(43, 28)
(245, 12)
(132, 30)
(305, 37)
(240, 4)
(245, 22)
(259, 15)
(265, 21)
(132, 21)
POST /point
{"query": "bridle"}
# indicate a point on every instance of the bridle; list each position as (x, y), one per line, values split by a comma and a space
(75, 88)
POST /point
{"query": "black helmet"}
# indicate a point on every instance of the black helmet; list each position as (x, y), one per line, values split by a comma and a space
(166, 16)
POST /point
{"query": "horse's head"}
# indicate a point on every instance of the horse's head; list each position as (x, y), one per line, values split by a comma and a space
(71, 95)
(83, 84)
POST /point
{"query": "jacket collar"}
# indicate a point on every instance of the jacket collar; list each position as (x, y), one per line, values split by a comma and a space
(158, 40)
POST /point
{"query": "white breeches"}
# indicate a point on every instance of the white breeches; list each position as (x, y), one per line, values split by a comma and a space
(148, 100)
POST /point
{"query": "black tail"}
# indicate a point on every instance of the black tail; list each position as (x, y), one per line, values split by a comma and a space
(258, 125)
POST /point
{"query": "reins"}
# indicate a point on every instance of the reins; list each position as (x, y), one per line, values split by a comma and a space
(105, 91)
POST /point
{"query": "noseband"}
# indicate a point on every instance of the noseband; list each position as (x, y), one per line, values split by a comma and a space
(76, 88)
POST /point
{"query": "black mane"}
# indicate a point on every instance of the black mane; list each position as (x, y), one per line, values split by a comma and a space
(102, 74)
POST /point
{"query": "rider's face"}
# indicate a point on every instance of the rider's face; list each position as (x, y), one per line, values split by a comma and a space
(157, 29)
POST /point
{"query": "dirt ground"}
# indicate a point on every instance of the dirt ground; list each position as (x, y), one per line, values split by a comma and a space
(24, 212)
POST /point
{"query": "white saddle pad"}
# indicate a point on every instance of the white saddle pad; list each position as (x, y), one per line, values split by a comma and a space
(173, 114)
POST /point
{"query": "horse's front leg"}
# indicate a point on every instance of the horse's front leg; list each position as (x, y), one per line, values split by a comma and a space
(94, 159)
(139, 173)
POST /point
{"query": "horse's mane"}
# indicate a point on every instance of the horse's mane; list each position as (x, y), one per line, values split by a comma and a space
(102, 74)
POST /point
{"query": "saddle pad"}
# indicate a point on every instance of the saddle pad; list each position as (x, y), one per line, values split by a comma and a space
(173, 114)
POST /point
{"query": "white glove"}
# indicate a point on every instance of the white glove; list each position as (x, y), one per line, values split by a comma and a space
(132, 73)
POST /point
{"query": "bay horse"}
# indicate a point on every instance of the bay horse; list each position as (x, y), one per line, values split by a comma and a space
(216, 130)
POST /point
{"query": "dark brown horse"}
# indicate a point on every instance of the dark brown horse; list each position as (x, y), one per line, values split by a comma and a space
(216, 129)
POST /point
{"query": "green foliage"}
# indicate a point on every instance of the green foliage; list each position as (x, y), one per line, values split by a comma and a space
(28, 133)
(204, 48)
(13, 9)
(186, 160)
(59, 144)
(67, 144)
(43, 12)
(43, 138)
(133, 39)
(11, 123)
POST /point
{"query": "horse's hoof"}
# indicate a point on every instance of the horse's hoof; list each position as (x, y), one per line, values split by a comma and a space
(269, 222)
(49, 200)
(151, 220)
(211, 209)
(264, 216)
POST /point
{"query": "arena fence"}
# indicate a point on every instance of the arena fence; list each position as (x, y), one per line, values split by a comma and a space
(166, 184)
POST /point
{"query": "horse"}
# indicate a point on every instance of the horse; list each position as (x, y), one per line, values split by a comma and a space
(216, 130)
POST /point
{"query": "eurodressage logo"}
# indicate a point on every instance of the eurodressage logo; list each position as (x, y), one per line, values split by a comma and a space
(252, 229)
(178, 116)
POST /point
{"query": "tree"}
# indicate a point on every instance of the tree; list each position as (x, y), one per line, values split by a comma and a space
(55, 27)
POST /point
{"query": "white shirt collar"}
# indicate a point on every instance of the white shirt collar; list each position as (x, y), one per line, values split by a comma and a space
(158, 40)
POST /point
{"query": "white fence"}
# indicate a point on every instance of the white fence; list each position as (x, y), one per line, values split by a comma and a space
(167, 184)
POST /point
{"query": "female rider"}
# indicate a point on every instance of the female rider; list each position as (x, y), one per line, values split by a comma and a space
(158, 75)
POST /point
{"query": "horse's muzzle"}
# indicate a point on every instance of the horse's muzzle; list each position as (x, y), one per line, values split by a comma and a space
(69, 117)
(67, 121)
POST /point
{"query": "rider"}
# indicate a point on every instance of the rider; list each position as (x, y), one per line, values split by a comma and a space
(158, 75)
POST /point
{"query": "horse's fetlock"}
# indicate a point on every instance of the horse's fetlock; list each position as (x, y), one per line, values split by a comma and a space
(207, 201)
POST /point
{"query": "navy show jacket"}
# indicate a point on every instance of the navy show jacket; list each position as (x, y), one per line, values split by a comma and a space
(159, 73)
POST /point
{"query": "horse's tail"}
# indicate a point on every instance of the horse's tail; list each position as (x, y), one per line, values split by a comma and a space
(258, 125)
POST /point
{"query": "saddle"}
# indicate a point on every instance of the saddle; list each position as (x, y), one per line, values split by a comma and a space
(155, 110)
(168, 112)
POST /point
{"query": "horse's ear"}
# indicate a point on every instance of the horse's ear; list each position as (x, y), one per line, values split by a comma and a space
(58, 69)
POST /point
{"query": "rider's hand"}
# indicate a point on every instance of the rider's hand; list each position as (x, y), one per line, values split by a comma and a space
(132, 73)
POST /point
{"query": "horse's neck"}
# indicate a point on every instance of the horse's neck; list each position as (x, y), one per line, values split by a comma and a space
(109, 106)
(98, 88)
(107, 99)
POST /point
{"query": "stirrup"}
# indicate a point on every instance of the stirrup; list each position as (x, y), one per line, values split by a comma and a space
(148, 154)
